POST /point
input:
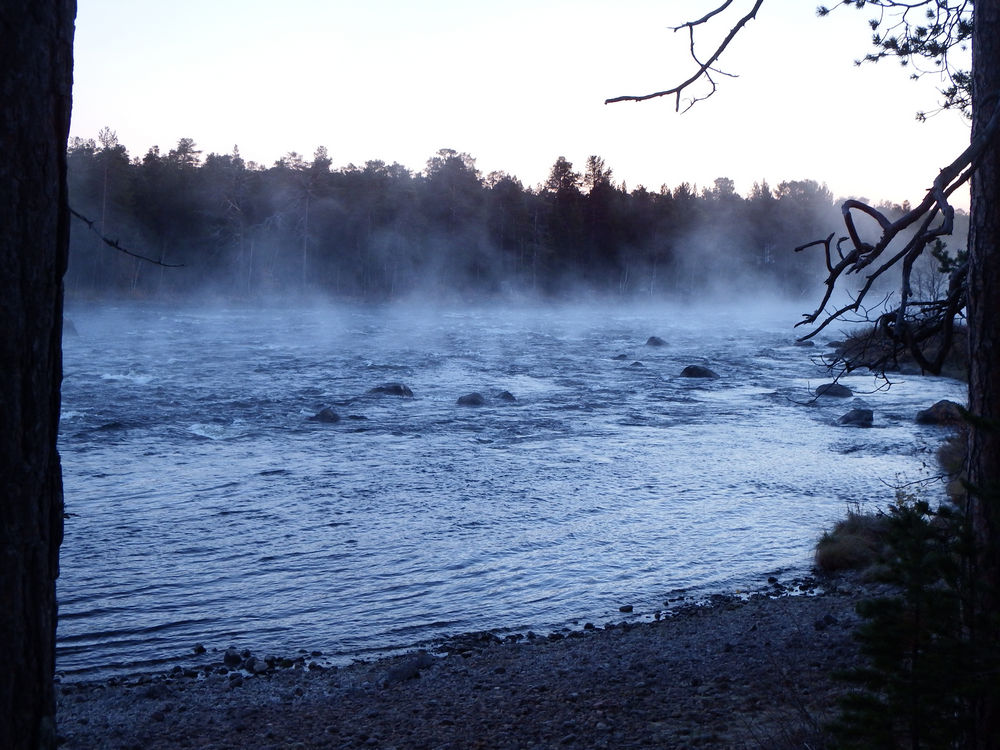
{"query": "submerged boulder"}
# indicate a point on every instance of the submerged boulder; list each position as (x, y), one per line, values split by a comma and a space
(391, 389)
(943, 412)
(655, 341)
(858, 418)
(472, 399)
(834, 390)
(697, 371)
(326, 414)
(506, 396)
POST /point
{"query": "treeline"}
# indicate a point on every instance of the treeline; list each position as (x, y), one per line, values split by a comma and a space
(382, 231)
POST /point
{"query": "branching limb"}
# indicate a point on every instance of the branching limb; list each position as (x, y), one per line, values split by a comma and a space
(705, 69)
(913, 323)
(114, 243)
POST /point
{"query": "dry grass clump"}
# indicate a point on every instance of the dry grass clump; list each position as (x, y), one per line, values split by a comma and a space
(854, 543)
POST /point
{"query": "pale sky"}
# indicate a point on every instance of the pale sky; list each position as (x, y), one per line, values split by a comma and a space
(515, 84)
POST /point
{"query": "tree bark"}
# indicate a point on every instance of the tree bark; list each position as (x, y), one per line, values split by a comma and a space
(984, 368)
(36, 69)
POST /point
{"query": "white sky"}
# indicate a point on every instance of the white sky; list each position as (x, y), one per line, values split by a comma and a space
(515, 84)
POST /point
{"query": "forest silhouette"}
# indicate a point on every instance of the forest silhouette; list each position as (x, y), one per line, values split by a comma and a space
(381, 231)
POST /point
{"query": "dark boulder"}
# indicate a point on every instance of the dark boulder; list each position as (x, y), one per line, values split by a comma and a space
(943, 412)
(655, 341)
(391, 389)
(506, 396)
(834, 390)
(697, 371)
(471, 399)
(857, 417)
(326, 414)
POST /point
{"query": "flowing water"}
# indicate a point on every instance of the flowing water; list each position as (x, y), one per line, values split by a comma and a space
(206, 506)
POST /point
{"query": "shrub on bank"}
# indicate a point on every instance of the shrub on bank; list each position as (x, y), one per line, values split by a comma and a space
(855, 543)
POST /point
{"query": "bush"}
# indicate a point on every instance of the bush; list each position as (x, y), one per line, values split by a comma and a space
(854, 543)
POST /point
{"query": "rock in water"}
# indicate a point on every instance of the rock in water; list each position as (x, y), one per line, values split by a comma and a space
(858, 417)
(943, 412)
(391, 389)
(835, 390)
(655, 341)
(471, 399)
(506, 396)
(697, 371)
(326, 414)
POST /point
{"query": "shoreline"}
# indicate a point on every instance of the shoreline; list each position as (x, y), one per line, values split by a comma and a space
(801, 581)
(739, 671)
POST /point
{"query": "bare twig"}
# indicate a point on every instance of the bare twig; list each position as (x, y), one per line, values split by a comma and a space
(115, 244)
(705, 69)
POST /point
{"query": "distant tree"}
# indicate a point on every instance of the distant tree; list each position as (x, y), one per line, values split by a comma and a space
(596, 174)
(562, 178)
(185, 155)
(36, 68)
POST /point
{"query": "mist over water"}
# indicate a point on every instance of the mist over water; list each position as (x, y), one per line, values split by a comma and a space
(208, 507)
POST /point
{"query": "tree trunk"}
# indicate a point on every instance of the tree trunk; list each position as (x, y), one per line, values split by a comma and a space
(984, 367)
(36, 68)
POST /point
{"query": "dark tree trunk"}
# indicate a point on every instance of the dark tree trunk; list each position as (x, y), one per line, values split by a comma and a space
(36, 69)
(984, 369)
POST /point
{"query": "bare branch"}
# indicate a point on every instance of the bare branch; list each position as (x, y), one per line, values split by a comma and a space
(705, 69)
(114, 243)
(912, 323)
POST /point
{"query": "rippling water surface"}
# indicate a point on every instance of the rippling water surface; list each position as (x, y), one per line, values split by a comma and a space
(207, 507)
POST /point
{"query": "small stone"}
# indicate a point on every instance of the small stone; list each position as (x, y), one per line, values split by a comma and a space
(257, 666)
(625, 608)
(232, 657)
(198, 649)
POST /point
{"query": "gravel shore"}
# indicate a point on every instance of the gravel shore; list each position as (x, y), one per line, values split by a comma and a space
(732, 673)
